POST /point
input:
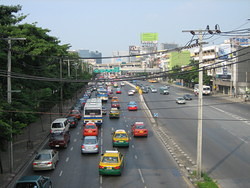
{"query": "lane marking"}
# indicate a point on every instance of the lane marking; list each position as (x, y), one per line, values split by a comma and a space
(75, 140)
(78, 133)
(142, 179)
(100, 181)
(71, 148)
(133, 146)
(61, 173)
(136, 157)
(67, 159)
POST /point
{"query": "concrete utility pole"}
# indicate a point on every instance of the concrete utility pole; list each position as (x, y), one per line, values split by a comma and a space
(9, 96)
(200, 97)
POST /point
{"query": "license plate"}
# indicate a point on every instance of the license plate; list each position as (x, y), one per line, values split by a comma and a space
(141, 131)
(120, 141)
(57, 146)
(109, 168)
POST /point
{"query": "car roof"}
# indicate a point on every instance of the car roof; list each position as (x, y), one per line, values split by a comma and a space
(59, 120)
(139, 123)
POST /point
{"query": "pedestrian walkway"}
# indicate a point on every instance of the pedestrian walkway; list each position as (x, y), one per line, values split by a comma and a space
(30, 141)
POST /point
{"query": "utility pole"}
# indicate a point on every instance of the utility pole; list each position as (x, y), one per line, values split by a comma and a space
(61, 89)
(9, 96)
(200, 33)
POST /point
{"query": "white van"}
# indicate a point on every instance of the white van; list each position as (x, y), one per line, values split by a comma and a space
(60, 124)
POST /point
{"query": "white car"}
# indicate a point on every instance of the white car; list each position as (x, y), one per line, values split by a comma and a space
(180, 100)
(122, 84)
(130, 93)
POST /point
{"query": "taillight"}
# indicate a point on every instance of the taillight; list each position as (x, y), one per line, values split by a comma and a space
(34, 163)
(96, 146)
(117, 167)
(83, 147)
(102, 167)
(49, 162)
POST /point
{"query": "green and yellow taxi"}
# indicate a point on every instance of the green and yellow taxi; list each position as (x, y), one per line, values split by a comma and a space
(111, 163)
(114, 113)
(120, 138)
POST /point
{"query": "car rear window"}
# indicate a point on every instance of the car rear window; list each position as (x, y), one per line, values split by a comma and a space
(57, 125)
(43, 157)
(90, 127)
(90, 141)
(120, 135)
(26, 185)
(110, 159)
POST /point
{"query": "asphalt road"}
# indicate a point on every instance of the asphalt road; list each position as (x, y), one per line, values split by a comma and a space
(226, 133)
(147, 162)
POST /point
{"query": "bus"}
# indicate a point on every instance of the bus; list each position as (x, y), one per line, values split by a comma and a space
(206, 90)
(102, 94)
(93, 111)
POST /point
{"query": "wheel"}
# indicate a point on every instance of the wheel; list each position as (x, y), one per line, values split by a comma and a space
(50, 185)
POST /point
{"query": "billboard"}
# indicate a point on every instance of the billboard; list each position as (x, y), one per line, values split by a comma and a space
(134, 50)
(224, 51)
(149, 38)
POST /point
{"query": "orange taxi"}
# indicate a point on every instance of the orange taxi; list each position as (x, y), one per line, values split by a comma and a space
(90, 129)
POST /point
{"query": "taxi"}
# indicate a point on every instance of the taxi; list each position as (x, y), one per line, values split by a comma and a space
(111, 163)
(114, 99)
(132, 106)
(114, 113)
(139, 129)
(118, 91)
(120, 138)
(90, 129)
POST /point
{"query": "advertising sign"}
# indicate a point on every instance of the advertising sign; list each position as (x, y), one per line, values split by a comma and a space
(224, 51)
(149, 37)
(134, 50)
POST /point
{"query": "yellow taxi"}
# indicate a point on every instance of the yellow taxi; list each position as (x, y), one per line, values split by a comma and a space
(111, 163)
(152, 81)
(120, 138)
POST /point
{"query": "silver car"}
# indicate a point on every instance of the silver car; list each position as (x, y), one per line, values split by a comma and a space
(153, 90)
(46, 160)
(180, 100)
(90, 145)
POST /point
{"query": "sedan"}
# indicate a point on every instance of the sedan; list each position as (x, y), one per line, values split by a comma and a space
(187, 97)
(104, 110)
(130, 93)
(139, 129)
(72, 121)
(90, 129)
(90, 145)
(34, 181)
(76, 113)
(132, 106)
(153, 90)
(180, 100)
(59, 139)
(46, 160)
(118, 91)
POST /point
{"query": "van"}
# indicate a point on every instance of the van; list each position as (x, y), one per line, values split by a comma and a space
(60, 124)
(163, 90)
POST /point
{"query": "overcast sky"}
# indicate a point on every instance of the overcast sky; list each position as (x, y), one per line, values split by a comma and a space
(112, 25)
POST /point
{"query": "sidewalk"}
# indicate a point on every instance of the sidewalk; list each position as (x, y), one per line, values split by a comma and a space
(23, 150)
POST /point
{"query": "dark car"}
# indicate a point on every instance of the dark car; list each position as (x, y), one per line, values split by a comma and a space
(187, 97)
(104, 110)
(34, 181)
(59, 139)
(73, 121)
(115, 105)
(145, 90)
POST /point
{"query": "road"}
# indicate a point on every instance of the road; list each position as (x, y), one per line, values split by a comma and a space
(226, 133)
(147, 162)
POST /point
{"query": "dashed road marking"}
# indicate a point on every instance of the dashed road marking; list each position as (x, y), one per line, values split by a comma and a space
(61, 173)
(78, 133)
(67, 159)
(142, 179)
(133, 146)
(136, 157)
(71, 148)
(75, 140)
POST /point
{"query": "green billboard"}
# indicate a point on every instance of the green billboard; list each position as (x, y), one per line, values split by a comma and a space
(149, 37)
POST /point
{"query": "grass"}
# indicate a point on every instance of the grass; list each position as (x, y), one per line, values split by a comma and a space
(207, 182)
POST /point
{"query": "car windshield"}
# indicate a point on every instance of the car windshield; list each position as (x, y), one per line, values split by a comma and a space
(43, 156)
(74, 112)
(140, 127)
(110, 159)
(90, 127)
(89, 141)
(120, 135)
(57, 125)
(26, 185)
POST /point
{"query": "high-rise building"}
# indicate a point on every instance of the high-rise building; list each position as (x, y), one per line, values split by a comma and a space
(168, 46)
(94, 54)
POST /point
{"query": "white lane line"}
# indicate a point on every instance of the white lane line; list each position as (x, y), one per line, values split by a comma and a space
(133, 146)
(61, 173)
(136, 157)
(75, 140)
(71, 148)
(80, 128)
(126, 125)
(78, 133)
(142, 179)
(67, 159)
(100, 181)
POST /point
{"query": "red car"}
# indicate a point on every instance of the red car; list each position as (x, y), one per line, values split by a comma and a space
(139, 129)
(59, 139)
(132, 106)
(90, 129)
(76, 113)
(115, 104)
(118, 91)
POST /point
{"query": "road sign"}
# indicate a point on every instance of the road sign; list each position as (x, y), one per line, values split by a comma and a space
(156, 115)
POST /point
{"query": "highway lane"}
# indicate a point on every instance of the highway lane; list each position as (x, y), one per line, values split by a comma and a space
(225, 139)
(147, 163)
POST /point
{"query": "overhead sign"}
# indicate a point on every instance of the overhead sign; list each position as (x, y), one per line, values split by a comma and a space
(149, 38)
(156, 115)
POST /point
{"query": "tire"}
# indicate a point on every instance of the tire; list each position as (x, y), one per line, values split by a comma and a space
(50, 185)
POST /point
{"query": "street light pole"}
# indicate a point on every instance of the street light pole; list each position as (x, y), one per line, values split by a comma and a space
(9, 96)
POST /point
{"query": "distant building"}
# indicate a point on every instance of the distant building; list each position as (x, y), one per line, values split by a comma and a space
(120, 60)
(168, 46)
(95, 54)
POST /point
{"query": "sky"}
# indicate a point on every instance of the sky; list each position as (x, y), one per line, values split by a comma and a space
(114, 25)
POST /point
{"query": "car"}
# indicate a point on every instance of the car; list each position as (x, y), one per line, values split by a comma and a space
(139, 129)
(187, 97)
(132, 106)
(90, 129)
(104, 110)
(153, 90)
(120, 138)
(118, 91)
(180, 100)
(76, 113)
(36, 181)
(131, 93)
(45, 159)
(60, 124)
(90, 145)
(134, 90)
(114, 113)
(111, 163)
(114, 99)
(115, 104)
(110, 96)
(59, 139)
(164, 91)
(152, 80)
(144, 90)
(73, 122)
(122, 84)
